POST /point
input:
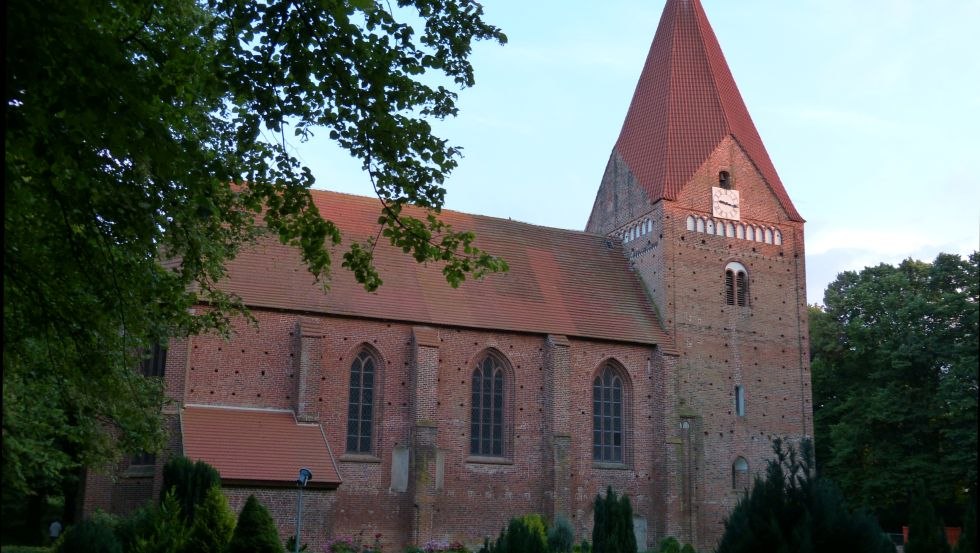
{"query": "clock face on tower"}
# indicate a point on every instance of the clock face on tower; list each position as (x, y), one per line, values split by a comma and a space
(724, 203)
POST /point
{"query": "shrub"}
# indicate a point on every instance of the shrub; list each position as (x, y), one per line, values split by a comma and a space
(255, 532)
(89, 536)
(583, 547)
(926, 534)
(213, 524)
(190, 482)
(669, 545)
(612, 529)
(792, 511)
(527, 534)
(561, 536)
(968, 539)
(162, 529)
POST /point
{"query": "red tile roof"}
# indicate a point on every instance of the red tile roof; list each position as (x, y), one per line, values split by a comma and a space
(257, 446)
(560, 281)
(685, 103)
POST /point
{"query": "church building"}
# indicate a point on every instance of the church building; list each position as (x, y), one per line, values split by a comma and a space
(659, 351)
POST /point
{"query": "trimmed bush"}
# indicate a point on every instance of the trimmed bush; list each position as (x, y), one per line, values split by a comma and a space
(89, 536)
(968, 539)
(926, 533)
(612, 529)
(213, 525)
(190, 482)
(163, 529)
(256, 531)
(561, 536)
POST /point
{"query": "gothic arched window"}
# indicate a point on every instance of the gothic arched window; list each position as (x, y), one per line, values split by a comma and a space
(360, 404)
(608, 416)
(736, 284)
(487, 425)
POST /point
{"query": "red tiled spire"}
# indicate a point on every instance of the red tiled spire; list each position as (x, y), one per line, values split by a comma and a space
(685, 103)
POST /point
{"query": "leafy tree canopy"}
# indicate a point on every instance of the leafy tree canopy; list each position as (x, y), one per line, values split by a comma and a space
(139, 131)
(894, 356)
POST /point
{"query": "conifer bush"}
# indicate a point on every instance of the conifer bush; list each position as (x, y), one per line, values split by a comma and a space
(256, 531)
(561, 536)
(213, 524)
(790, 510)
(612, 529)
(926, 533)
(190, 481)
(968, 538)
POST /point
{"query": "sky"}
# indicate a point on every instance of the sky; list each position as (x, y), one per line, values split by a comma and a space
(869, 109)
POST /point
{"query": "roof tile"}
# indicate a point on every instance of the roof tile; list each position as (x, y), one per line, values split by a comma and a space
(257, 445)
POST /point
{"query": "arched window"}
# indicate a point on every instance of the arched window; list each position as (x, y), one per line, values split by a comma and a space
(731, 230)
(768, 236)
(758, 234)
(720, 228)
(649, 226)
(360, 404)
(487, 425)
(609, 408)
(740, 231)
(736, 284)
(700, 224)
(709, 227)
(740, 474)
(778, 238)
(740, 400)
(690, 222)
(749, 232)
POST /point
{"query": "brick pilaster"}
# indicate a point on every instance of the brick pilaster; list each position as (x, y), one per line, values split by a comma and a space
(424, 457)
(310, 358)
(557, 434)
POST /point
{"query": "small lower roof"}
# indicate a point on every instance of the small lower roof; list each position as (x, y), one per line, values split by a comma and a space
(257, 446)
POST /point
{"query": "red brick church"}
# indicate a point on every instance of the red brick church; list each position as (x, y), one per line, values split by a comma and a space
(658, 351)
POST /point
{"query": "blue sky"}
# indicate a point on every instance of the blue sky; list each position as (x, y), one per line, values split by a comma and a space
(869, 109)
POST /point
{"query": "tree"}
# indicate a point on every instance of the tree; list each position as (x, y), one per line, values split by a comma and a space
(138, 132)
(894, 357)
(255, 531)
(791, 510)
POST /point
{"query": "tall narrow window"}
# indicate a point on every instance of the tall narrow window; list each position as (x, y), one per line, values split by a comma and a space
(360, 406)
(740, 474)
(487, 411)
(155, 363)
(736, 285)
(608, 426)
(740, 401)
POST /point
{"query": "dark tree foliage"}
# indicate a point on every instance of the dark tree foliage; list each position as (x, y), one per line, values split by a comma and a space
(255, 531)
(894, 356)
(190, 482)
(791, 510)
(145, 131)
(612, 528)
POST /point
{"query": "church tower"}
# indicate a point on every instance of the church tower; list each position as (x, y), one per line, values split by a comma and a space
(706, 222)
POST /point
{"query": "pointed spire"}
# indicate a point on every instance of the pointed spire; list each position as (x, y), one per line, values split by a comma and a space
(685, 103)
